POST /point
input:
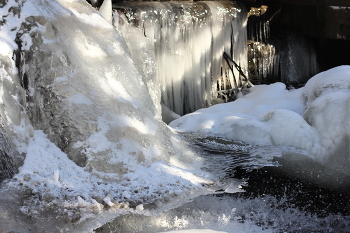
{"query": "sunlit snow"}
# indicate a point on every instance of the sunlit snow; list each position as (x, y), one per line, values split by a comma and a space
(314, 118)
(85, 129)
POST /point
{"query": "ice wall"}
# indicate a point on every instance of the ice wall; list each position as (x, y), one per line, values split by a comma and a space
(184, 43)
(87, 90)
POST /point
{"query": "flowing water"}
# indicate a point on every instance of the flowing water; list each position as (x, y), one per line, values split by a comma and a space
(278, 55)
(278, 193)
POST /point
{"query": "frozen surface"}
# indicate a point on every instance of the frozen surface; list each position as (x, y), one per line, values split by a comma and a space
(106, 10)
(86, 133)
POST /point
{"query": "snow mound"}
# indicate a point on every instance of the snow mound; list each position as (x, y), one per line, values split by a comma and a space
(327, 101)
(315, 118)
(244, 118)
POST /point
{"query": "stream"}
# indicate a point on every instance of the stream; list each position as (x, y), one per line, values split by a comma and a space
(281, 191)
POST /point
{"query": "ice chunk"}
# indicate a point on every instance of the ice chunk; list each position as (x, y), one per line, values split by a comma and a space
(139, 207)
(126, 195)
(108, 201)
(82, 202)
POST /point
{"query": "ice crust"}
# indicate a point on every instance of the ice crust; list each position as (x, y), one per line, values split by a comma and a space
(314, 118)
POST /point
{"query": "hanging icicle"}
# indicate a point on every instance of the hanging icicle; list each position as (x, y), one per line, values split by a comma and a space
(186, 41)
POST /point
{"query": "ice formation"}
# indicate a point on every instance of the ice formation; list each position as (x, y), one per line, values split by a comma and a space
(185, 42)
(106, 10)
(314, 118)
(278, 56)
(80, 125)
(83, 123)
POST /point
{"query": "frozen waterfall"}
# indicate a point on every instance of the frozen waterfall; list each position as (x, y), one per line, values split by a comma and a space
(80, 129)
(179, 46)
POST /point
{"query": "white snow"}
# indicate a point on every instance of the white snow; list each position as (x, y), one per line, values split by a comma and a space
(339, 7)
(43, 160)
(80, 99)
(315, 118)
(139, 207)
(243, 119)
(126, 195)
(108, 201)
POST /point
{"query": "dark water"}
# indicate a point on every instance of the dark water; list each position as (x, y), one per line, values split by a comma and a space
(282, 191)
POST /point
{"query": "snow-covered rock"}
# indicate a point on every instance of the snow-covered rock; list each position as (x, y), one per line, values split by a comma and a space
(315, 118)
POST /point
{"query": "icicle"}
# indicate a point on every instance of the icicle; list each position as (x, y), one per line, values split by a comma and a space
(187, 40)
(106, 10)
(56, 177)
